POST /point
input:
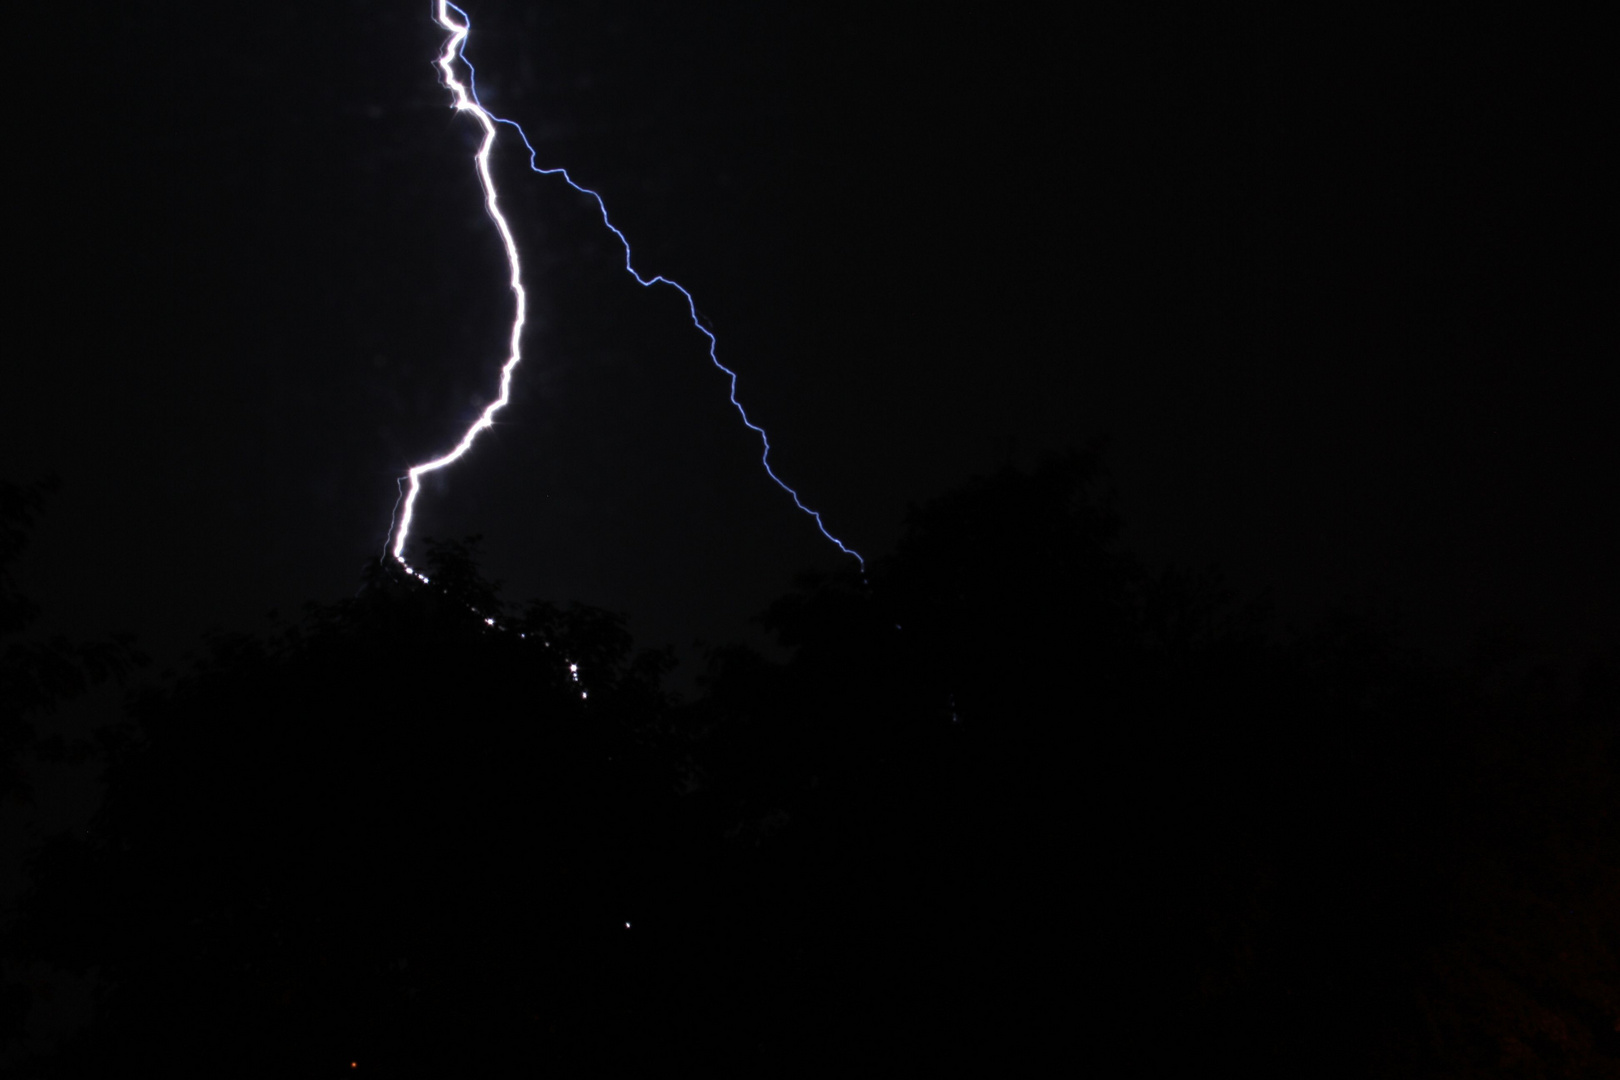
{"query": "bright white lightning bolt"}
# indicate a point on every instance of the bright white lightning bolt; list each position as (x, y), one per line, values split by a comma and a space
(465, 99)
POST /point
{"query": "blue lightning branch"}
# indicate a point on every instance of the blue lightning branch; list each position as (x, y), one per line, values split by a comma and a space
(465, 99)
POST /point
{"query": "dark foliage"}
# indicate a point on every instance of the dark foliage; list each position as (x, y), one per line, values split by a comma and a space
(37, 674)
(354, 836)
(1014, 800)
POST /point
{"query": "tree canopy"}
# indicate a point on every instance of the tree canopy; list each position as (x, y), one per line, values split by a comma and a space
(1013, 794)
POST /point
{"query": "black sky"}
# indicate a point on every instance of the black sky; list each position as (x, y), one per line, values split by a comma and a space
(1330, 282)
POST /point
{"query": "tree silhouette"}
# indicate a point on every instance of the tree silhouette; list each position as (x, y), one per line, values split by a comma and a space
(1135, 813)
(38, 674)
(338, 838)
(1011, 796)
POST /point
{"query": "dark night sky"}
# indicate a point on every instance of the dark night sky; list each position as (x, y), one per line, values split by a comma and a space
(1330, 285)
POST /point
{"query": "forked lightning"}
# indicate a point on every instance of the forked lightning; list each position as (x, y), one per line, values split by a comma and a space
(464, 97)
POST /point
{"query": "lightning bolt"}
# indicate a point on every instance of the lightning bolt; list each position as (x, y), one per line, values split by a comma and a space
(464, 97)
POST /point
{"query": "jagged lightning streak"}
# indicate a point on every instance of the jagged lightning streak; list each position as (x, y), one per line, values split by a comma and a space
(465, 99)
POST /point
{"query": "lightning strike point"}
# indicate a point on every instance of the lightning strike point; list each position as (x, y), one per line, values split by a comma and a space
(464, 98)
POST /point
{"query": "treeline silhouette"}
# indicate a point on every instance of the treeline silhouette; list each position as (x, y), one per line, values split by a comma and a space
(1014, 801)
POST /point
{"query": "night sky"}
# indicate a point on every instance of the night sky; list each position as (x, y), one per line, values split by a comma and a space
(1328, 283)
(1328, 286)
